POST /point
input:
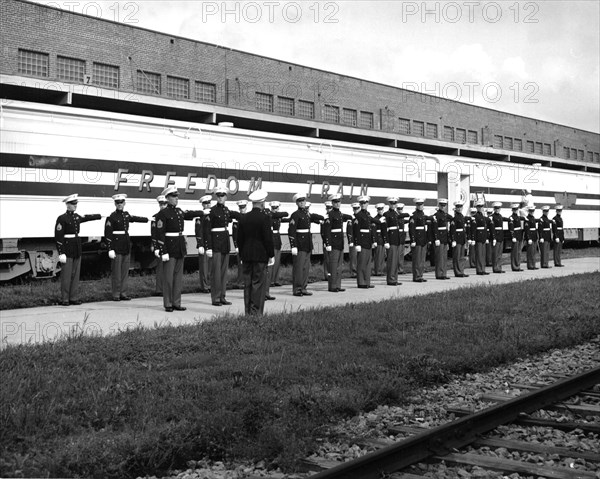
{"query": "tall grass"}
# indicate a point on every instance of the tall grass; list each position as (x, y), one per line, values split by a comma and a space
(236, 388)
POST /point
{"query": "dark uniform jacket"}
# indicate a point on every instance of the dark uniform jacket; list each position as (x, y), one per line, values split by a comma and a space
(154, 233)
(116, 230)
(557, 228)
(417, 228)
(479, 228)
(218, 240)
(392, 224)
(545, 228)
(202, 231)
(276, 219)
(439, 223)
(299, 230)
(255, 236)
(66, 233)
(497, 229)
(490, 227)
(334, 229)
(380, 229)
(364, 229)
(530, 228)
(515, 226)
(169, 222)
(458, 228)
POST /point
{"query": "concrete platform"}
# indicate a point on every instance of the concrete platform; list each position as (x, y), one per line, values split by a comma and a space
(35, 325)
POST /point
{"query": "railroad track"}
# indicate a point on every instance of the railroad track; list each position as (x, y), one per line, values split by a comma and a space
(461, 442)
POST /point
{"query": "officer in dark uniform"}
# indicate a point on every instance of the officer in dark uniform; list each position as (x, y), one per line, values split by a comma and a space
(326, 256)
(530, 236)
(365, 240)
(558, 235)
(393, 242)
(68, 244)
(352, 255)
(470, 234)
(545, 237)
(202, 229)
(172, 247)
(497, 236)
(489, 260)
(116, 233)
(515, 226)
(379, 260)
(277, 217)
(417, 231)
(440, 224)
(401, 235)
(458, 238)
(479, 234)
(218, 246)
(255, 241)
(242, 205)
(158, 288)
(334, 242)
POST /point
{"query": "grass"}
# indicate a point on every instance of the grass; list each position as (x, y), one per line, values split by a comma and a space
(243, 388)
(47, 292)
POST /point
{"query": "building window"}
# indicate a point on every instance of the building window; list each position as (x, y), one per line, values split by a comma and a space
(418, 128)
(366, 120)
(448, 133)
(285, 106)
(529, 145)
(33, 63)
(105, 75)
(497, 141)
(178, 88)
(539, 148)
(306, 109)
(566, 152)
(472, 137)
(461, 135)
(206, 92)
(518, 144)
(70, 69)
(404, 126)
(349, 117)
(148, 82)
(331, 113)
(264, 101)
(508, 143)
(432, 130)
(580, 155)
(596, 158)
(547, 149)
(573, 153)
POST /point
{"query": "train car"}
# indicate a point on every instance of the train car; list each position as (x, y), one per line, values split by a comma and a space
(48, 152)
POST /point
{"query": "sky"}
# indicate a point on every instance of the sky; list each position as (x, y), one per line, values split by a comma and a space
(538, 59)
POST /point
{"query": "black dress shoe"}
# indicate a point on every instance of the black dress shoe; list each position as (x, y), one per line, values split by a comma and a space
(559, 265)
(269, 298)
(392, 284)
(169, 310)
(205, 291)
(179, 308)
(306, 293)
(64, 303)
(125, 298)
(340, 290)
(298, 293)
(371, 286)
(224, 302)
(217, 304)
(333, 290)
(276, 284)
(75, 303)
(363, 286)
(419, 280)
(464, 275)
(156, 293)
(116, 299)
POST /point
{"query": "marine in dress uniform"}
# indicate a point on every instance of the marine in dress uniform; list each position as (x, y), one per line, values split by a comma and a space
(417, 230)
(497, 237)
(515, 226)
(218, 246)
(352, 255)
(401, 235)
(158, 287)
(530, 236)
(68, 244)
(116, 233)
(365, 241)
(202, 229)
(277, 217)
(458, 238)
(559, 236)
(301, 244)
(334, 242)
(242, 205)
(489, 261)
(471, 243)
(479, 234)
(172, 247)
(440, 225)
(392, 245)
(326, 258)
(545, 237)
(255, 242)
(379, 251)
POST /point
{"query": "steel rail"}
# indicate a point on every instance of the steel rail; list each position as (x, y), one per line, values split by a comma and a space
(459, 433)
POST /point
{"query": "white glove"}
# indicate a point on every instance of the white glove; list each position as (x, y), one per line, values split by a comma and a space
(494, 243)
(386, 245)
(209, 253)
(437, 242)
(529, 242)
(351, 245)
(487, 241)
(514, 240)
(382, 220)
(165, 257)
(112, 254)
(271, 261)
(413, 245)
(328, 248)
(200, 249)
(541, 240)
(157, 253)
(294, 251)
(237, 250)
(358, 248)
(374, 245)
(454, 244)
(557, 240)
(62, 258)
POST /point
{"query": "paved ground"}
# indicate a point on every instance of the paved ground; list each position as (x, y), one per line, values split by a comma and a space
(33, 325)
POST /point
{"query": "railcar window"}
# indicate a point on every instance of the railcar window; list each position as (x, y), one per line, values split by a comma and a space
(33, 63)
(105, 75)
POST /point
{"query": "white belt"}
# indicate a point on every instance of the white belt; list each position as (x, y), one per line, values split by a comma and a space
(216, 230)
(365, 231)
(419, 227)
(275, 231)
(337, 230)
(442, 228)
(516, 229)
(70, 236)
(172, 234)
(559, 228)
(302, 231)
(390, 228)
(481, 227)
(546, 229)
(458, 229)
(119, 232)
(498, 227)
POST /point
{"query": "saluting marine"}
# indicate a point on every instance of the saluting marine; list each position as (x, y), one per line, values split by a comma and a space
(379, 251)
(352, 255)
(545, 237)
(158, 287)
(365, 241)
(458, 238)
(439, 223)
(417, 230)
(558, 235)
(116, 233)
(393, 245)
(489, 261)
(497, 237)
(530, 236)
(479, 234)
(326, 258)
(68, 244)
(515, 226)
(277, 217)
(470, 234)
(401, 235)
(242, 205)
(202, 230)
(334, 242)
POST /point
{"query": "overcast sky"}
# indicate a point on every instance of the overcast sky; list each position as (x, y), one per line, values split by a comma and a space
(538, 59)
